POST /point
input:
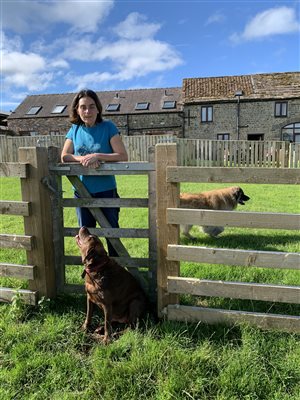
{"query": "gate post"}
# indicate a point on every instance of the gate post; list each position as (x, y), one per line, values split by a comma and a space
(167, 195)
(39, 223)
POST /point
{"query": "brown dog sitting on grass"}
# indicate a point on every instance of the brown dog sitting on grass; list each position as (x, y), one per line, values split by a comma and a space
(109, 286)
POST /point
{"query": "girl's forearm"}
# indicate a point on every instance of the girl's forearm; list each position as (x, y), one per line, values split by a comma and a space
(70, 157)
(111, 157)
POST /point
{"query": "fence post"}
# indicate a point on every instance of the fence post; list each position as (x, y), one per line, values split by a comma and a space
(152, 246)
(167, 195)
(57, 218)
(39, 223)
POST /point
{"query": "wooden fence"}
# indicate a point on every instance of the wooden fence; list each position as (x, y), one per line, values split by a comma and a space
(170, 252)
(35, 208)
(191, 152)
(42, 207)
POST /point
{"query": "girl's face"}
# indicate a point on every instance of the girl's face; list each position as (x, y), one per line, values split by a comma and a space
(87, 111)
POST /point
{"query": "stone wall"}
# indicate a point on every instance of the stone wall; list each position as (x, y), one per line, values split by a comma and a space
(39, 126)
(256, 117)
(133, 124)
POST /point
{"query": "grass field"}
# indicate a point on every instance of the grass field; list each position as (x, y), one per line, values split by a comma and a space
(44, 355)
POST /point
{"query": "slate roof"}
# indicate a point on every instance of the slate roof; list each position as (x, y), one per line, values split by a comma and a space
(259, 86)
(283, 85)
(126, 98)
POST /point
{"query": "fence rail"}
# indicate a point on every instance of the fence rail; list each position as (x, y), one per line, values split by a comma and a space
(191, 152)
(171, 253)
(35, 209)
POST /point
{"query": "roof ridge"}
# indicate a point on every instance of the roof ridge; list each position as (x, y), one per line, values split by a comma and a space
(244, 75)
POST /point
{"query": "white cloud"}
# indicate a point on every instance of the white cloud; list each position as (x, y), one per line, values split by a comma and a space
(135, 27)
(274, 21)
(10, 44)
(141, 57)
(89, 80)
(129, 59)
(27, 70)
(24, 71)
(28, 16)
(82, 15)
(85, 49)
(42, 62)
(217, 17)
(59, 63)
(15, 62)
(33, 82)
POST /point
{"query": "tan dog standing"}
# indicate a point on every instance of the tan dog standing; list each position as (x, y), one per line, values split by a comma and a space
(109, 286)
(217, 199)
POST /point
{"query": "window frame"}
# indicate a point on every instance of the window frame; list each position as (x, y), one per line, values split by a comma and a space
(62, 109)
(111, 107)
(290, 132)
(207, 118)
(222, 136)
(283, 109)
(139, 107)
(169, 107)
(34, 110)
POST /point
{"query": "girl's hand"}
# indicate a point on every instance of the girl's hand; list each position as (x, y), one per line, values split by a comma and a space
(90, 161)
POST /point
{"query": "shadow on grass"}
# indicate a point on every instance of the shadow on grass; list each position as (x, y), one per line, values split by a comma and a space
(188, 334)
(256, 306)
(244, 241)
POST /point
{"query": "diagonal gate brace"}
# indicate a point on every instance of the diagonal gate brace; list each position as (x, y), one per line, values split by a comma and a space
(98, 215)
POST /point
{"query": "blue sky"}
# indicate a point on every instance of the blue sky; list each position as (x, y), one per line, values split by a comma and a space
(63, 46)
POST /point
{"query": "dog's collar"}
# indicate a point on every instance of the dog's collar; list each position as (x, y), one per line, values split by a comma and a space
(96, 268)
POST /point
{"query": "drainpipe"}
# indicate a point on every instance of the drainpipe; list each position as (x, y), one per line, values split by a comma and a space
(238, 94)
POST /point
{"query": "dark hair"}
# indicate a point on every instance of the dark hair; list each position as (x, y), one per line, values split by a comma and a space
(74, 117)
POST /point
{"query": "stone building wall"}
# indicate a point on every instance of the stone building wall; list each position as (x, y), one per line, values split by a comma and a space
(39, 126)
(131, 124)
(256, 117)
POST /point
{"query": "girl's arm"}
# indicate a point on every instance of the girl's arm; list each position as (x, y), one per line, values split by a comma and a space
(67, 154)
(119, 153)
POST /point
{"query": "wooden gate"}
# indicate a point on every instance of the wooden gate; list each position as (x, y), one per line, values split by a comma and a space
(170, 252)
(143, 268)
(42, 207)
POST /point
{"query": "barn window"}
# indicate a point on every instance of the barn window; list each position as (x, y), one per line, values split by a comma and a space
(223, 136)
(206, 114)
(34, 110)
(58, 109)
(113, 107)
(291, 132)
(142, 106)
(281, 109)
(169, 104)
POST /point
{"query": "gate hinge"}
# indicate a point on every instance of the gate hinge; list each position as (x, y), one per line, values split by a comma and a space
(46, 182)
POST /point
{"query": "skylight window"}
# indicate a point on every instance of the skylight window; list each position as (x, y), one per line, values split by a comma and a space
(34, 110)
(169, 104)
(113, 107)
(58, 109)
(142, 106)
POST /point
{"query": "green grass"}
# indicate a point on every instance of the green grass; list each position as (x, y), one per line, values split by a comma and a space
(44, 354)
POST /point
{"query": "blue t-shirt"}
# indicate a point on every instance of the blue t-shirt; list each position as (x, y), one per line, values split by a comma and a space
(95, 139)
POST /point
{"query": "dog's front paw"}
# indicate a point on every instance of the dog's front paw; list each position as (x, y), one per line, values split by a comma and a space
(106, 339)
(85, 326)
(99, 330)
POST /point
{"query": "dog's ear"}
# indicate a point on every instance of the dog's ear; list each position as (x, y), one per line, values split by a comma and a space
(90, 256)
(237, 192)
(100, 249)
(240, 196)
